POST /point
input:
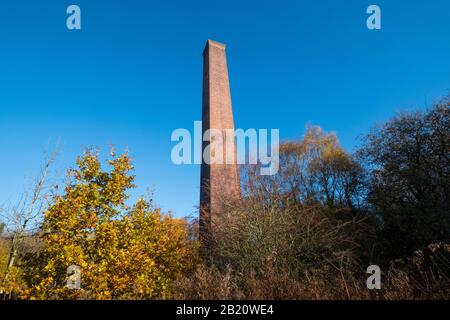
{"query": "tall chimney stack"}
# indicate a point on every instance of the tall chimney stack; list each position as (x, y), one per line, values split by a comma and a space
(219, 183)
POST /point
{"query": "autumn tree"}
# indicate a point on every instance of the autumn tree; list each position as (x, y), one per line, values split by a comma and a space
(316, 170)
(4, 250)
(123, 252)
(409, 159)
(21, 220)
(304, 220)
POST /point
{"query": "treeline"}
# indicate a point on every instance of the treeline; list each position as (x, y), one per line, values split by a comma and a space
(309, 232)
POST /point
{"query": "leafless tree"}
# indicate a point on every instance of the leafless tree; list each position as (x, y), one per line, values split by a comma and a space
(23, 217)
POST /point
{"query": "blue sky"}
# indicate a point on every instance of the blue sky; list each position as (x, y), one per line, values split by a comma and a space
(133, 74)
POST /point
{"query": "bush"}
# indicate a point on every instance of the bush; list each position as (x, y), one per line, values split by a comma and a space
(123, 253)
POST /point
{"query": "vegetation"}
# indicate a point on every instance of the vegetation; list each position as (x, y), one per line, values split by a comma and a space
(124, 253)
(409, 163)
(309, 232)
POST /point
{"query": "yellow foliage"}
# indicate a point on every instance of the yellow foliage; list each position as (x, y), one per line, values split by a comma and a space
(123, 253)
(4, 252)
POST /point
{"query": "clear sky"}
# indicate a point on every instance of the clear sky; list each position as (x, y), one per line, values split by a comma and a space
(133, 74)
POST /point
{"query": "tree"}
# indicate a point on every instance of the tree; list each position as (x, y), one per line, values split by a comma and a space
(4, 251)
(409, 160)
(317, 170)
(304, 220)
(122, 252)
(21, 219)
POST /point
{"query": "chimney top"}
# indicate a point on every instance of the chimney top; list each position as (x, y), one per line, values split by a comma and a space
(212, 43)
